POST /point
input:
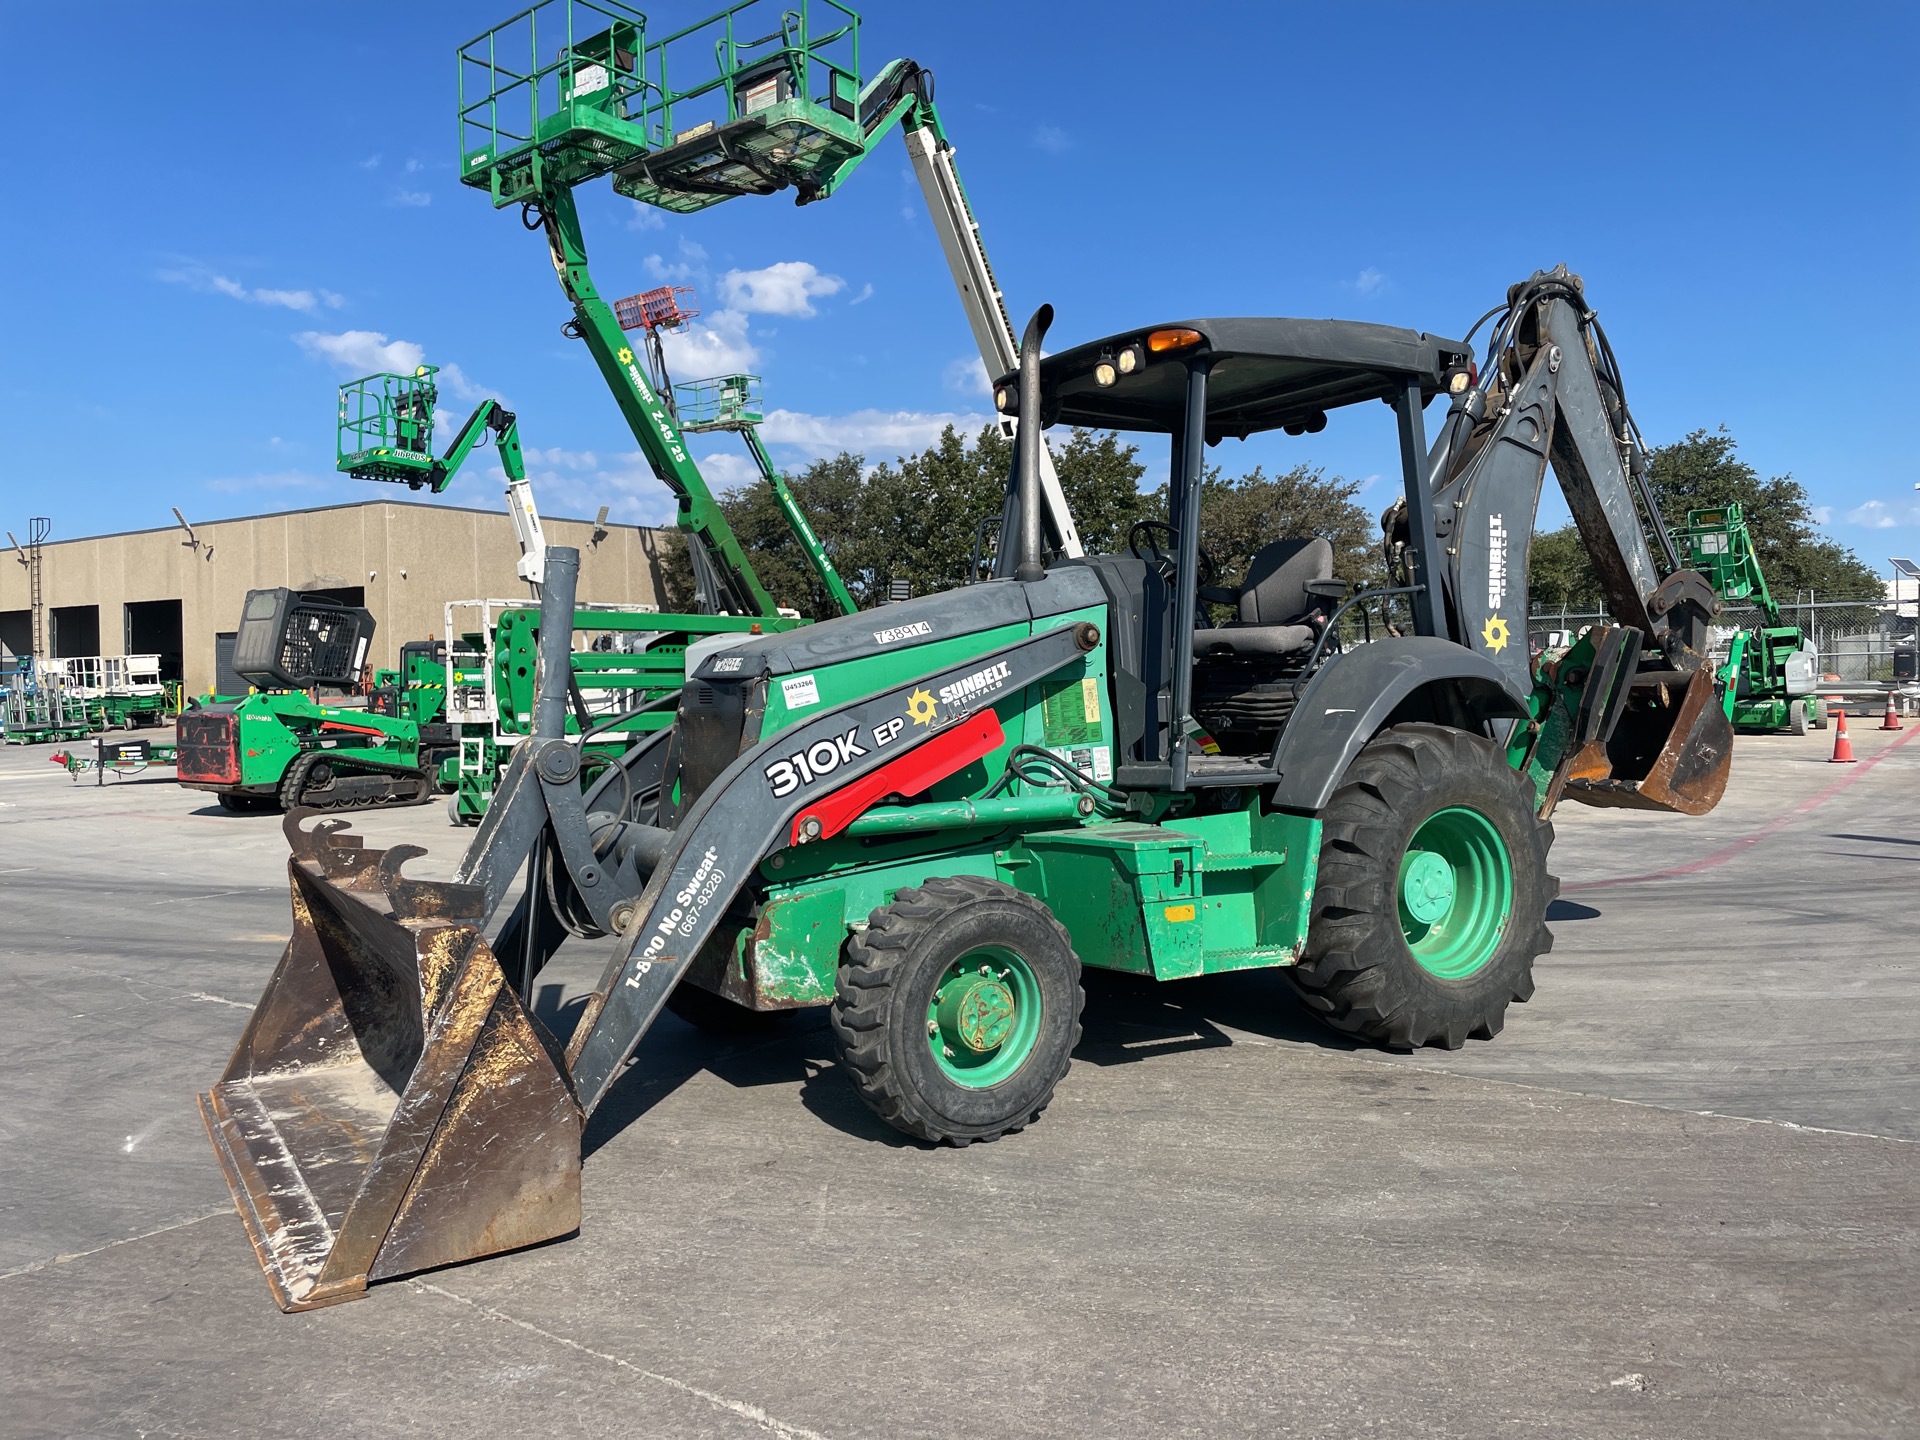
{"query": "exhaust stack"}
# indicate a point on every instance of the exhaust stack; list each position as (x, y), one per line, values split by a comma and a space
(1030, 567)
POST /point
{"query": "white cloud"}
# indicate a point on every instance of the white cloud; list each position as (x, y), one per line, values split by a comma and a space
(1823, 514)
(210, 282)
(690, 266)
(877, 434)
(411, 199)
(579, 482)
(457, 383)
(866, 294)
(1369, 281)
(370, 352)
(967, 376)
(727, 469)
(372, 162)
(1052, 139)
(559, 458)
(1879, 515)
(717, 344)
(363, 352)
(787, 287)
(646, 217)
(1367, 483)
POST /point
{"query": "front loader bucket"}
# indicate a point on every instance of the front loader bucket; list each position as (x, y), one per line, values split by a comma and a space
(392, 1106)
(1671, 750)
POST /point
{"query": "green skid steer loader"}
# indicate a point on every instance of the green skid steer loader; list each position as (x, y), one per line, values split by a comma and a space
(931, 817)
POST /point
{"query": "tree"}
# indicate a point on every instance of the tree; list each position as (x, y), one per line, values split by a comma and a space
(1704, 470)
(1560, 574)
(917, 518)
(1699, 472)
(1240, 515)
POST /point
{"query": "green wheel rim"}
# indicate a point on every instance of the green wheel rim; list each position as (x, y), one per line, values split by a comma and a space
(1456, 892)
(984, 1017)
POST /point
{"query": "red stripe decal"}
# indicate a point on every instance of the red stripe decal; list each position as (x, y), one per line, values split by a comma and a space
(932, 760)
(355, 729)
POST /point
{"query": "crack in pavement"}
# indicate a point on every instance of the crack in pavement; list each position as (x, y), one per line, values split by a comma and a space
(740, 1408)
(62, 1259)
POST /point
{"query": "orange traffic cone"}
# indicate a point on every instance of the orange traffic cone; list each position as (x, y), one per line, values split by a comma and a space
(1842, 746)
(1891, 721)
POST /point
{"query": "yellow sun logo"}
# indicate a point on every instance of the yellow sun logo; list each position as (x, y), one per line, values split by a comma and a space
(626, 356)
(920, 707)
(1495, 633)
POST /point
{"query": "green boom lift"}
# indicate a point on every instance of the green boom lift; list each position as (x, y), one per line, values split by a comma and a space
(1771, 672)
(759, 98)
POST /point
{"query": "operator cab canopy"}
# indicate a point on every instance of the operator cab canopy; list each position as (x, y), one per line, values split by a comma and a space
(1263, 373)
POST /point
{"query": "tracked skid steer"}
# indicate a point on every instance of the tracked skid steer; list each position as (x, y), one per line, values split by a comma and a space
(928, 818)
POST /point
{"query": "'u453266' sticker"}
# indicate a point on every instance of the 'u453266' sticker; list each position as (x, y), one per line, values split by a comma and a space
(803, 767)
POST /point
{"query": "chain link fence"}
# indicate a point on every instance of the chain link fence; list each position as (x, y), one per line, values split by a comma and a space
(1855, 639)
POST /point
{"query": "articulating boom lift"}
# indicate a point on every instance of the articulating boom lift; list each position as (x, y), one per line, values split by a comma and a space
(930, 818)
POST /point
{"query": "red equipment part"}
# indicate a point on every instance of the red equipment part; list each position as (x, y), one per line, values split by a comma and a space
(932, 760)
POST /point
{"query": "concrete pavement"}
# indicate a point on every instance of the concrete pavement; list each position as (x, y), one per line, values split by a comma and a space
(1229, 1223)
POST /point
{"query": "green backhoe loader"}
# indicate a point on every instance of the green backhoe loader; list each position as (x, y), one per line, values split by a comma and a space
(929, 819)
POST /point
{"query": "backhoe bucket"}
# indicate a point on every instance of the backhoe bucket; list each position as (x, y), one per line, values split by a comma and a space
(392, 1106)
(1672, 749)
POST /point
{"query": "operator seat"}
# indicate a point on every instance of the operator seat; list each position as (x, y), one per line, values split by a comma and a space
(1278, 614)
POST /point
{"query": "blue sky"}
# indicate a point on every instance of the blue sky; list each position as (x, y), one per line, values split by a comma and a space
(231, 208)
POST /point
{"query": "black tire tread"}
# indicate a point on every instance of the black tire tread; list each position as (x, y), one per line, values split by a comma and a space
(869, 966)
(1343, 979)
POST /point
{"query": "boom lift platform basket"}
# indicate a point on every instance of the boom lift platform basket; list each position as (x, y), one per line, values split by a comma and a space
(759, 97)
(386, 426)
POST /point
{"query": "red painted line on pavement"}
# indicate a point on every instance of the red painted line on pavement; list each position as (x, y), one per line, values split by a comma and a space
(1747, 842)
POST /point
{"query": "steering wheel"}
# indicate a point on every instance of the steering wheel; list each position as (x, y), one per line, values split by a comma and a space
(1163, 557)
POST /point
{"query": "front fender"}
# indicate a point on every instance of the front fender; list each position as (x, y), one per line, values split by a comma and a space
(1351, 696)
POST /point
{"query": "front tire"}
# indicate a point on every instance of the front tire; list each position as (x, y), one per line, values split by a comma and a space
(957, 1009)
(1431, 900)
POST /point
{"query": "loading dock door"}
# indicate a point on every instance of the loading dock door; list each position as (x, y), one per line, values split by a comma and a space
(75, 630)
(154, 627)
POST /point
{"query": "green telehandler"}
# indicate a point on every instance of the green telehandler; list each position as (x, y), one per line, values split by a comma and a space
(929, 818)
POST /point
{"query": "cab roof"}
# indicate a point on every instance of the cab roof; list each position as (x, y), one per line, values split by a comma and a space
(1267, 373)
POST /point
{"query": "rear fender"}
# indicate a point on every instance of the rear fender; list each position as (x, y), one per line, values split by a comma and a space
(1354, 695)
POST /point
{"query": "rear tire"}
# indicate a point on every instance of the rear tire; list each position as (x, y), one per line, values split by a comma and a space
(957, 1010)
(1431, 900)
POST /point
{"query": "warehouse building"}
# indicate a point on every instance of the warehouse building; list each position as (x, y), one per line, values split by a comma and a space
(177, 592)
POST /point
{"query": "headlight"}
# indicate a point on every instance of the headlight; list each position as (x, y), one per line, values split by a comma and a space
(1104, 373)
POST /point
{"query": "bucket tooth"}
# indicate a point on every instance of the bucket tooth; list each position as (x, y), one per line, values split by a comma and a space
(1672, 750)
(392, 1106)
